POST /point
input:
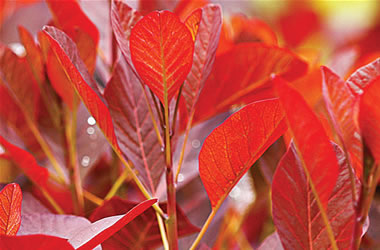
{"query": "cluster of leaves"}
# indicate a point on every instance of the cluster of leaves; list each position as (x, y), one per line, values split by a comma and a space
(308, 138)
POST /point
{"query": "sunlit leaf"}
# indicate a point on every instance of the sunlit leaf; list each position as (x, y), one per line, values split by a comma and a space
(296, 214)
(133, 125)
(192, 22)
(10, 212)
(272, 242)
(241, 76)
(162, 52)
(310, 139)
(340, 105)
(141, 233)
(232, 148)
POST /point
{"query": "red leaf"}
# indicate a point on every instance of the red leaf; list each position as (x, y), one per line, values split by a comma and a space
(251, 30)
(192, 22)
(12, 114)
(241, 76)
(298, 24)
(162, 52)
(206, 44)
(340, 105)
(33, 54)
(143, 232)
(38, 242)
(69, 16)
(133, 125)
(19, 80)
(123, 19)
(369, 117)
(363, 76)
(119, 224)
(295, 211)
(27, 163)
(310, 139)
(10, 212)
(185, 7)
(80, 79)
(231, 149)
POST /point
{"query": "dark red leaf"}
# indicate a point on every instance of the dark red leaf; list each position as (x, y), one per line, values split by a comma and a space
(143, 232)
(80, 79)
(206, 43)
(119, 224)
(363, 76)
(369, 117)
(162, 53)
(241, 76)
(37, 241)
(10, 212)
(231, 149)
(340, 105)
(133, 125)
(295, 211)
(310, 139)
(123, 19)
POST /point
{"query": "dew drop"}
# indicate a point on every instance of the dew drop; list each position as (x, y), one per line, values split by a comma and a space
(17, 48)
(162, 149)
(85, 161)
(2, 151)
(91, 121)
(195, 143)
(90, 130)
(181, 178)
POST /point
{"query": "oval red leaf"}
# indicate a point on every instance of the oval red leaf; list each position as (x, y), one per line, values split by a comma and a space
(231, 149)
(10, 209)
(162, 52)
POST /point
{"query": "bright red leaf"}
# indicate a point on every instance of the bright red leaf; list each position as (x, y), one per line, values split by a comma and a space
(123, 19)
(206, 44)
(340, 105)
(162, 53)
(192, 22)
(37, 241)
(81, 80)
(363, 76)
(296, 214)
(105, 228)
(369, 117)
(241, 76)
(232, 148)
(133, 125)
(143, 232)
(10, 212)
(310, 139)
